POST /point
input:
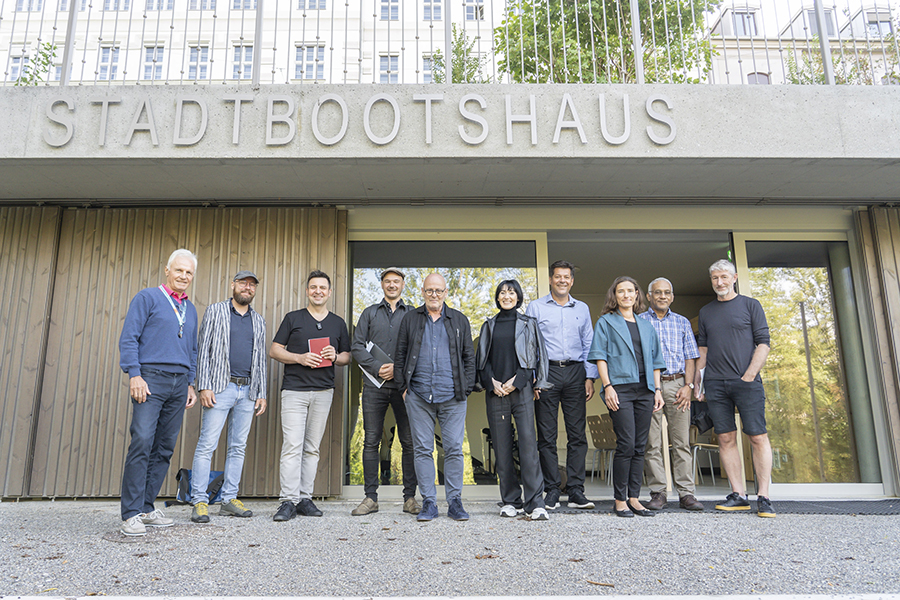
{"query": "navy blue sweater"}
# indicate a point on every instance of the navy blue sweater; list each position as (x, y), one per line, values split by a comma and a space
(150, 336)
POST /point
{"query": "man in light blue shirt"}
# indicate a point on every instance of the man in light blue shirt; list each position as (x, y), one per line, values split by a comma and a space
(680, 352)
(566, 326)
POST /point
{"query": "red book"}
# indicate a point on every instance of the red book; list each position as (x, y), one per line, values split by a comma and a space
(316, 345)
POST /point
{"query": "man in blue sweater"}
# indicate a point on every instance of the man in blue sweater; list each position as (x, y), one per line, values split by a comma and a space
(158, 350)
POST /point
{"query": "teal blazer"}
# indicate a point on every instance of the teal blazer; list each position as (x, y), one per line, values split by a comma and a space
(612, 343)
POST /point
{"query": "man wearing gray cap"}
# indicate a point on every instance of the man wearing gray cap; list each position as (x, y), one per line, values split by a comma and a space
(380, 324)
(231, 379)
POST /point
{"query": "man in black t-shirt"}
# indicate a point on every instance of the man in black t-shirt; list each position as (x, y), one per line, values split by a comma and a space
(733, 340)
(305, 339)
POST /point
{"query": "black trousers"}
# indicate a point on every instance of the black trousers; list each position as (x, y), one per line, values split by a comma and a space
(632, 426)
(568, 393)
(500, 412)
(375, 403)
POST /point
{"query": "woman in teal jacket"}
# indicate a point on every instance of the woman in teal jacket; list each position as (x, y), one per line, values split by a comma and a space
(630, 361)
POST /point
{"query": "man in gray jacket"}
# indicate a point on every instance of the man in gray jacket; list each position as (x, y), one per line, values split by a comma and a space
(379, 324)
(231, 379)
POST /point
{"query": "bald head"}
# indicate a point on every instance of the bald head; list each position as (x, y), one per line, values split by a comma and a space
(433, 291)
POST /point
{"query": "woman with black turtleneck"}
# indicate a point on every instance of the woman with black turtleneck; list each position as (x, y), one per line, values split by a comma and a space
(512, 363)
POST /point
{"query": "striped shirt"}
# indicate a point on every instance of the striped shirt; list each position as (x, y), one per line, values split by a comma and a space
(213, 357)
(676, 338)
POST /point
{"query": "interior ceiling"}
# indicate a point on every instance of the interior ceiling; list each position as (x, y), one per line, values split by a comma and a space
(600, 256)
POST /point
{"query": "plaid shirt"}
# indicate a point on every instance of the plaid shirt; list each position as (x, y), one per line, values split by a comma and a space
(676, 338)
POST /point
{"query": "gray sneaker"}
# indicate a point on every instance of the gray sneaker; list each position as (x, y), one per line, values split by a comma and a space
(156, 519)
(234, 508)
(367, 506)
(133, 527)
(200, 514)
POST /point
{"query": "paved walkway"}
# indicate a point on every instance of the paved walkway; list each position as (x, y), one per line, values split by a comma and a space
(73, 549)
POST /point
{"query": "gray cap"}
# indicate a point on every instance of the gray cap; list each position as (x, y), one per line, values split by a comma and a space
(392, 270)
(245, 275)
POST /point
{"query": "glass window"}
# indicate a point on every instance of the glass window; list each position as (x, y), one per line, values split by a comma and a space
(18, 66)
(243, 4)
(29, 5)
(243, 62)
(116, 4)
(879, 24)
(427, 66)
(198, 62)
(153, 61)
(202, 5)
(311, 4)
(109, 63)
(807, 410)
(387, 68)
(474, 10)
(390, 10)
(744, 23)
(758, 78)
(64, 5)
(814, 25)
(431, 10)
(310, 63)
(160, 4)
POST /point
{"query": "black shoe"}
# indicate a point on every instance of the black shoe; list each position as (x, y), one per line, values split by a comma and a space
(626, 513)
(551, 500)
(764, 507)
(733, 502)
(306, 508)
(641, 512)
(285, 512)
(578, 500)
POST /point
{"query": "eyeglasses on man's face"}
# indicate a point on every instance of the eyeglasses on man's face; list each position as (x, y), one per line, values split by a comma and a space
(433, 293)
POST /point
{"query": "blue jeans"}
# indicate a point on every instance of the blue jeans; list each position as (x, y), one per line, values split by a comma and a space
(155, 424)
(233, 404)
(422, 418)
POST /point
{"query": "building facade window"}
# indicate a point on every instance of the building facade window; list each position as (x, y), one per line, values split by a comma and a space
(202, 5)
(311, 4)
(431, 10)
(877, 23)
(160, 4)
(744, 23)
(390, 10)
(814, 25)
(243, 4)
(29, 5)
(427, 69)
(243, 62)
(18, 65)
(474, 10)
(310, 62)
(758, 79)
(388, 64)
(153, 59)
(116, 4)
(64, 5)
(109, 63)
(198, 62)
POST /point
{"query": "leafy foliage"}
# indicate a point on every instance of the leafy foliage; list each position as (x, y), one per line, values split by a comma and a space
(467, 64)
(805, 65)
(34, 71)
(590, 41)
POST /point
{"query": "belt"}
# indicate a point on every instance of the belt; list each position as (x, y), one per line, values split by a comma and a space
(240, 380)
(672, 377)
(564, 363)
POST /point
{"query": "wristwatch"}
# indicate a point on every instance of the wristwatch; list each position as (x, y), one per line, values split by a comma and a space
(691, 385)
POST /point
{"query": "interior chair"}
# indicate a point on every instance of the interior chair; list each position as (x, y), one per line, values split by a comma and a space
(708, 448)
(604, 439)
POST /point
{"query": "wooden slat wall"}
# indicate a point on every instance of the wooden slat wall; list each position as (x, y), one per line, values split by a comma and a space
(27, 250)
(108, 255)
(879, 230)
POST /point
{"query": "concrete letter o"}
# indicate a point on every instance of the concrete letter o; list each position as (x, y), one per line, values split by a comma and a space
(381, 141)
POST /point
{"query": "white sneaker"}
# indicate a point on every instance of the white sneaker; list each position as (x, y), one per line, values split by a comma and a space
(156, 519)
(133, 526)
(539, 514)
(508, 510)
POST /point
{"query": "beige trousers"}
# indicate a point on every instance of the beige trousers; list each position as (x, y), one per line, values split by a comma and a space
(679, 425)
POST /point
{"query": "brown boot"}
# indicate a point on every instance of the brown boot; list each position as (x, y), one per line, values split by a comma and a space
(657, 501)
(690, 503)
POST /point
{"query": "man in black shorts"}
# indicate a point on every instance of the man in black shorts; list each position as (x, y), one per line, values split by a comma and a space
(734, 342)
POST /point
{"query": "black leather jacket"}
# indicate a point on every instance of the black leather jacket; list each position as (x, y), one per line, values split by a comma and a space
(530, 349)
(462, 354)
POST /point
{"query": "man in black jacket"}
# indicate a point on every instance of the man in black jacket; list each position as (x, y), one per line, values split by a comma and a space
(435, 363)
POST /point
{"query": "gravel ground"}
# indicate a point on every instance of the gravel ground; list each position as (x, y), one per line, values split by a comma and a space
(73, 548)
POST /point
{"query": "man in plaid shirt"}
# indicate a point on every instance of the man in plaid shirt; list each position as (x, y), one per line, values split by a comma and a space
(679, 349)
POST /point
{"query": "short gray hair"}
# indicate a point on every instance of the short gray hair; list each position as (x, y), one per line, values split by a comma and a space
(722, 265)
(657, 280)
(182, 252)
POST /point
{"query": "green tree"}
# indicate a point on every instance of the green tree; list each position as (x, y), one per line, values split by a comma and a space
(34, 71)
(851, 67)
(590, 41)
(468, 66)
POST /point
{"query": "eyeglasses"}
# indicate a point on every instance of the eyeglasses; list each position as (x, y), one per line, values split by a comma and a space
(434, 292)
(248, 284)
